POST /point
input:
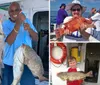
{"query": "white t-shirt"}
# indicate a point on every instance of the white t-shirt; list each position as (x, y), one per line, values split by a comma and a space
(96, 19)
(96, 16)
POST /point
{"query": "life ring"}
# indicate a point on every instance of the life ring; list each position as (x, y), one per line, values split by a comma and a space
(62, 59)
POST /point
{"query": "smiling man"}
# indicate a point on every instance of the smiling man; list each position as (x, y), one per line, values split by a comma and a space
(18, 30)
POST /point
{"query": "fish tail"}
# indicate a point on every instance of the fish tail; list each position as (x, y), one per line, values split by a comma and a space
(42, 78)
(90, 74)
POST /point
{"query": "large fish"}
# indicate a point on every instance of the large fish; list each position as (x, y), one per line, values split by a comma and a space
(71, 76)
(26, 55)
(73, 25)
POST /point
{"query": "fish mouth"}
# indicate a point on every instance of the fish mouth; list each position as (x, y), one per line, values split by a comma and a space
(57, 74)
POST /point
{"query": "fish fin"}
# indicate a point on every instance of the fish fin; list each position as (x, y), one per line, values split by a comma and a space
(42, 78)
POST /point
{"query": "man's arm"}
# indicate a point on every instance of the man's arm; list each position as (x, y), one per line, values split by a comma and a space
(12, 36)
(32, 33)
(87, 36)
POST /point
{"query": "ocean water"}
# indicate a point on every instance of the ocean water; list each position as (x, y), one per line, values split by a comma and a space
(53, 15)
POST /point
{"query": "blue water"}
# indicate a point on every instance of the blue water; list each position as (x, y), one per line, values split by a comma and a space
(53, 15)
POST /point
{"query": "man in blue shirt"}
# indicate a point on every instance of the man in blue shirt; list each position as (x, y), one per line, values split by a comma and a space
(18, 30)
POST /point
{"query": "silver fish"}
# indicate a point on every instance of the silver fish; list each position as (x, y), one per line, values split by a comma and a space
(71, 76)
(26, 55)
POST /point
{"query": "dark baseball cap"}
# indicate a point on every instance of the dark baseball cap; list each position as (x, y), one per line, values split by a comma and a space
(62, 5)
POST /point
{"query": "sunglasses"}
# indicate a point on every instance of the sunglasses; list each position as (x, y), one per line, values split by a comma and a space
(76, 9)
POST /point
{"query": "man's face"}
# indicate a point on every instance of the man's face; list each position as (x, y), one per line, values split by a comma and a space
(76, 11)
(64, 7)
(14, 10)
(93, 11)
(72, 63)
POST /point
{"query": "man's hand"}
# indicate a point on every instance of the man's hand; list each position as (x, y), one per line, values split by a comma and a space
(20, 18)
(57, 32)
(26, 26)
(84, 26)
(67, 32)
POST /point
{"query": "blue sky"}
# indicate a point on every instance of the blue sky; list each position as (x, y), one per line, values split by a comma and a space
(55, 4)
